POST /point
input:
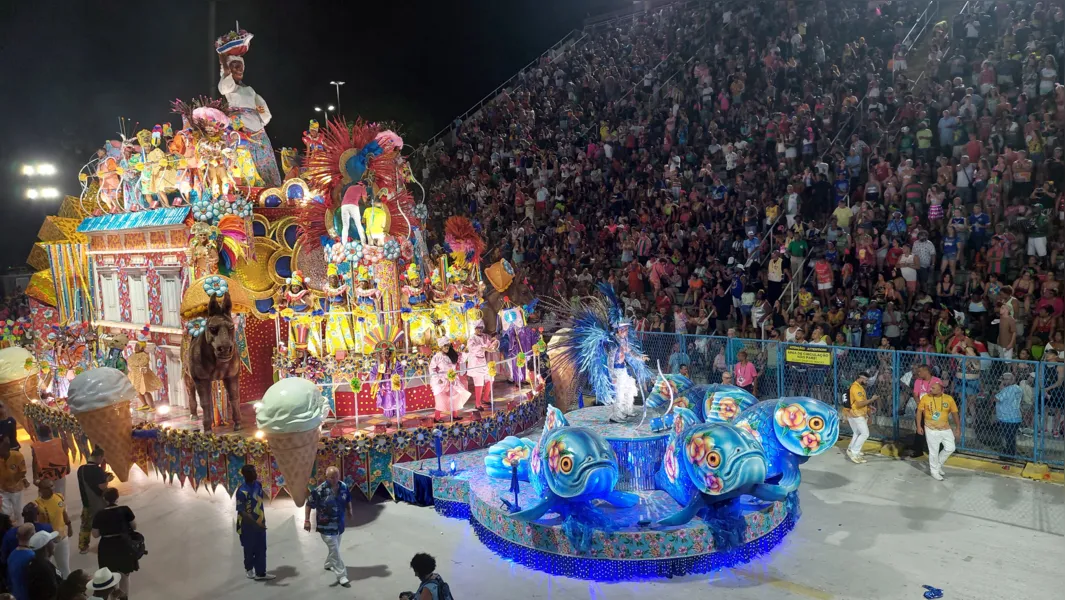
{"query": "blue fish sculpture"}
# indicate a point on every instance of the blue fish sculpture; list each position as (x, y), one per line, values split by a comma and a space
(708, 464)
(790, 430)
(502, 456)
(696, 397)
(571, 467)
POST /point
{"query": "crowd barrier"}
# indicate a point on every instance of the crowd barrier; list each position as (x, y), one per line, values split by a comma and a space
(989, 424)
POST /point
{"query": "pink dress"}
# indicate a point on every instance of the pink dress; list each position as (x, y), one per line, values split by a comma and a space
(450, 396)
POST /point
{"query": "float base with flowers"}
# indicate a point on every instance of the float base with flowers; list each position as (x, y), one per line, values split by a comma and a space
(367, 460)
(634, 546)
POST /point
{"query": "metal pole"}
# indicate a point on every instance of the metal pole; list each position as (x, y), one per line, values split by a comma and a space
(212, 16)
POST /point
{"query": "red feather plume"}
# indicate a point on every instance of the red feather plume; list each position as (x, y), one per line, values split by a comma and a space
(311, 225)
(460, 234)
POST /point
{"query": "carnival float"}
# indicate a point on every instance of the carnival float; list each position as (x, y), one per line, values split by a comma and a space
(197, 308)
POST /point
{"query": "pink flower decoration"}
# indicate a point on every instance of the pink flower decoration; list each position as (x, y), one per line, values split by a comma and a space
(714, 485)
(670, 462)
(727, 407)
(811, 440)
(792, 416)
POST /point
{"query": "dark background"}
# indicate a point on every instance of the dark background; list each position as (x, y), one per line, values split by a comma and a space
(69, 69)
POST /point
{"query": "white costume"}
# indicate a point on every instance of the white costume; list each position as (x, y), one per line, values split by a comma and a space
(254, 116)
(477, 364)
(624, 388)
(450, 396)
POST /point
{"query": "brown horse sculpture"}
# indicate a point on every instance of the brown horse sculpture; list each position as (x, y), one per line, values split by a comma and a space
(213, 356)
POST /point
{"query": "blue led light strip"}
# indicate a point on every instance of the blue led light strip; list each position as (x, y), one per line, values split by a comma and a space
(452, 509)
(599, 569)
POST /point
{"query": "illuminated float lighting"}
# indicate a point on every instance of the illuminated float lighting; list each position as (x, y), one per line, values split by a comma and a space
(163, 410)
(260, 434)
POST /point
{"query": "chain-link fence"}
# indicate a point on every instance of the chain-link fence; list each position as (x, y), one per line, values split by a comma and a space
(1008, 409)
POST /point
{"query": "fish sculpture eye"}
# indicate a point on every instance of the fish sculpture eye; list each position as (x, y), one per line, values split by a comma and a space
(565, 465)
(817, 423)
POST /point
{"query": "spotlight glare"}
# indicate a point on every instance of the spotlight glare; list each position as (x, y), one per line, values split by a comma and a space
(331, 107)
(259, 434)
(28, 170)
(46, 169)
(32, 194)
(49, 193)
(163, 410)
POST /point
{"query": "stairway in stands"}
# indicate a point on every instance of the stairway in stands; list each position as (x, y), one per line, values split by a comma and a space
(917, 58)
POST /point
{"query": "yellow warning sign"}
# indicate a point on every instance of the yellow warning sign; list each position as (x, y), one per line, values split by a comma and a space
(805, 355)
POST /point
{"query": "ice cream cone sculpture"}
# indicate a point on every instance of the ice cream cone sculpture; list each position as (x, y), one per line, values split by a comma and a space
(291, 417)
(18, 385)
(99, 399)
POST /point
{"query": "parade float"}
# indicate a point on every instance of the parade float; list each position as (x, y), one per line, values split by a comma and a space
(205, 273)
(196, 309)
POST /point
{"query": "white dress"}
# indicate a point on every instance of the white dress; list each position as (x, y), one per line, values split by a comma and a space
(244, 97)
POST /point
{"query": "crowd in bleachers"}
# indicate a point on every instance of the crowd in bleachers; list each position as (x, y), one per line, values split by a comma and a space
(777, 169)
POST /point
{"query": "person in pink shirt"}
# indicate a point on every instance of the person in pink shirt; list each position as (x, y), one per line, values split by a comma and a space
(745, 373)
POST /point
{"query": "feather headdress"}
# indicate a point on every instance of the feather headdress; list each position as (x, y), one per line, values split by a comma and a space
(465, 243)
(201, 111)
(232, 243)
(587, 342)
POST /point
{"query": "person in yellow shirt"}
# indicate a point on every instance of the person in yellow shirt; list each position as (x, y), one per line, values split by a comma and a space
(52, 508)
(934, 421)
(12, 479)
(856, 411)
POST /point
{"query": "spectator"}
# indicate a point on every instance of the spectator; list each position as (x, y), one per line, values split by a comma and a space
(16, 563)
(12, 477)
(42, 576)
(30, 516)
(1008, 412)
(116, 526)
(53, 511)
(431, 586)
(745, 373)
(92, 481)
(678, 359)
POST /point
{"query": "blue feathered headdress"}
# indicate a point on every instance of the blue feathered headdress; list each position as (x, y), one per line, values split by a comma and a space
(585, 346)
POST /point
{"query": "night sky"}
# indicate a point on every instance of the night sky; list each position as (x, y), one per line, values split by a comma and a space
(71, 68)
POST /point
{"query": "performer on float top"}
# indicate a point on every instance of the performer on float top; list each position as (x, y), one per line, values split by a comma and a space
(390, 392)
(624, 384)
(312, 138)
(477, 364)
(254, 113)
(449, 387)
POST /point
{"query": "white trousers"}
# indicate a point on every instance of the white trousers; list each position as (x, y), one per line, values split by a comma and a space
(62, 555)
(11, 505)
(625, 387)
(349, 212)
(935, 438)
(859, 433)
(333, 562)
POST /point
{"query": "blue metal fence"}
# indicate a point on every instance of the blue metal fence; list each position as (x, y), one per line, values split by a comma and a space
(1004, 411)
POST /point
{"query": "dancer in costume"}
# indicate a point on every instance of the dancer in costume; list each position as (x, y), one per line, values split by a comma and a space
(312, 138)
(338, 336)
(141, 375)
(477, 364)
(449, 387)
(303, 338)
(366, 303)
(242, 166)
(254, 113)
(388, 373)
(597, 343)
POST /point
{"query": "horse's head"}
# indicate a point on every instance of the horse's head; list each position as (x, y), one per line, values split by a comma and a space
(219, 332)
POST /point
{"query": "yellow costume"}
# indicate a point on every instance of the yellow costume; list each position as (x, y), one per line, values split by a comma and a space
(338, 334)
(141, 375)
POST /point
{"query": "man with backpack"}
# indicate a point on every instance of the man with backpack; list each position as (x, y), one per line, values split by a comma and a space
(856, 410)
(432, 586)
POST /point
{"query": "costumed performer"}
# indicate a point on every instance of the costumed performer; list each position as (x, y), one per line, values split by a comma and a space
(477, 364)
(242, 166)
(349, 210)
(449, 387)
(312, 138)
(597, 344)
(141, 375)
(366, 301)
(303, 338)
(624, 384)
(390, 388)
(338, 335)
(255, 116)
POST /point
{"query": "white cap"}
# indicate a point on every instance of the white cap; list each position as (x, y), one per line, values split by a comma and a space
(41, 539)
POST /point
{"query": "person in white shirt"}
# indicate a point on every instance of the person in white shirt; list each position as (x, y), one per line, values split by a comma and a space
(254, 115)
